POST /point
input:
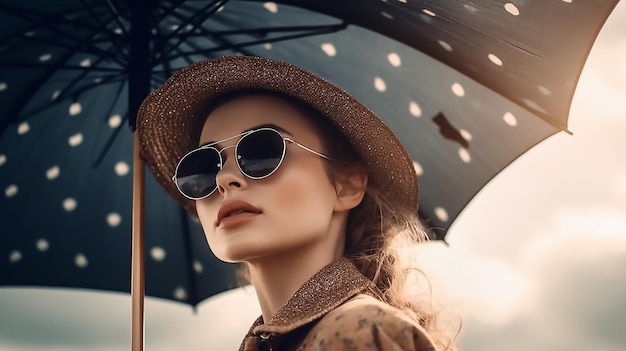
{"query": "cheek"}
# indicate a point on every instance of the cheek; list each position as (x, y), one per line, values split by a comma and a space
(207, 214)
(205, 210)
(306, 192)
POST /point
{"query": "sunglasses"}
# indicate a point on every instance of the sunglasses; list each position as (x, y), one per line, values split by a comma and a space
(259, 154)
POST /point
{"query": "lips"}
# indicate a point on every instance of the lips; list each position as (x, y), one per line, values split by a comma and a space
(232, 208)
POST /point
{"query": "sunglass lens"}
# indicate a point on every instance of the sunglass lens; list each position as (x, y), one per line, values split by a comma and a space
(195, 176)
(260, 153)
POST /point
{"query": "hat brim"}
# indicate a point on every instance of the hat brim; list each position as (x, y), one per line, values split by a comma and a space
(170, 120)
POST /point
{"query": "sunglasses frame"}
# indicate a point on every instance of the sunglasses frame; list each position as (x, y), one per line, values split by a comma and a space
(241, 136)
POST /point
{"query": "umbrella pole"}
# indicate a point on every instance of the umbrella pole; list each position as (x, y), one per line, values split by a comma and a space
(137, 288)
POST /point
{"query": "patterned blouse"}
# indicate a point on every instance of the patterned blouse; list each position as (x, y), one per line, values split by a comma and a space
(337, 310)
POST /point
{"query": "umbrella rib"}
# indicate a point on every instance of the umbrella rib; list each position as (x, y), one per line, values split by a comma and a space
(167, 69)
(116, 17)
(229, 45)
(196, 22)
(116, 131)
(225, 44)
(112, 39)
(39, 20)
(158, 47)
(16, 108)
(66, 95)
(85, 71)
(109, 143)
(57, 66)
(167, 11)
(543, 115)
(54, 42)
(329, 27)
(18, 105)
(212, 8)
(183, 55)
(476, 30)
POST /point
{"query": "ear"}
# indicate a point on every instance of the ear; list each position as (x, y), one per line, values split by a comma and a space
(350, 187)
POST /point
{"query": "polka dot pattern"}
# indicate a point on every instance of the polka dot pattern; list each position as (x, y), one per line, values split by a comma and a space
(23, 128)
(511, 8)
(441, 214)
(75, 140)
(414, 109)
(115, 121)
(42, 245)
(11, 190)
(495, 59)
(387, 15)
(81, 261)
(544, 90)
(75, 108)
(80, 132)
(180, 293)
(429, 12)
(271, 7)
(445, 45)
(15, 256)
(465, 134)
(510, 119)
(458, 89)
(122, 168)
(197, 267)
(53, 172)
(470, 7)
(114, 219)
(69, 204)
(329, 49)
(380, 84)
(464, 155)
(157, 253)
(418, 168)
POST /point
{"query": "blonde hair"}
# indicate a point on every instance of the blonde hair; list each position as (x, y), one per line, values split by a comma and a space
(373, 234)
(373, 228)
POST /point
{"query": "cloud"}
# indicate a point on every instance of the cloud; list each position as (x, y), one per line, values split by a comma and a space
(35, 319)
(604, 73)
(578, 290)
(219, 324)
(579, 232)
(486, 288)
(579, 306)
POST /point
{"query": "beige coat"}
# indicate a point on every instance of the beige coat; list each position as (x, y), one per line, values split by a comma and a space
(337, 310)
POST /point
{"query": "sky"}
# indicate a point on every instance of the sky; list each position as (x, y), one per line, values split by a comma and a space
(535, 262)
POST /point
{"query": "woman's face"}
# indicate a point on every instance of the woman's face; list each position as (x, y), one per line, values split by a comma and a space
(290, 212)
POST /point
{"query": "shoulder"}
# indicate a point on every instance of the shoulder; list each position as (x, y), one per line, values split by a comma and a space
(365, 323)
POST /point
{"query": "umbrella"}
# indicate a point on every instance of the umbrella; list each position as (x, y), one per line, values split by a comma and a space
(468, 86)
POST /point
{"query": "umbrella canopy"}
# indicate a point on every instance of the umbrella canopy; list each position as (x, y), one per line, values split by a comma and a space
(467, 86)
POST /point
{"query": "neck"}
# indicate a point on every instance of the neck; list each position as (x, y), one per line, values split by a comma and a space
(277, 278)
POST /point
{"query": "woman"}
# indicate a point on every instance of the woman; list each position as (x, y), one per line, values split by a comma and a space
(294, 177)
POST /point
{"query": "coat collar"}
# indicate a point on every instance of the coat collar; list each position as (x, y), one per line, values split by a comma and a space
(325, 291)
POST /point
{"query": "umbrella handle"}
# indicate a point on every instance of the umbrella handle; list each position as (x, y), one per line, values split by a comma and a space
(137, 289)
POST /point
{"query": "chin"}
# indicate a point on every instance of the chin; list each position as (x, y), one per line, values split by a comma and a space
(236, 254)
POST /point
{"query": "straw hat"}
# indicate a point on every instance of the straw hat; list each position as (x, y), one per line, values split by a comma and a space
(170, 120)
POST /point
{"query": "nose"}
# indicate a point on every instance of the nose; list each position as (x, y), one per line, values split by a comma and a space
(229, 176)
